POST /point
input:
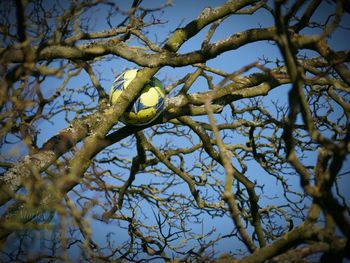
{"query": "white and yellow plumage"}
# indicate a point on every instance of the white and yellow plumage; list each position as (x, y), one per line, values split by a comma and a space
(147, 106)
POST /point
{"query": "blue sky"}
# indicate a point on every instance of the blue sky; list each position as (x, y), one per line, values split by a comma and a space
(181, 13)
